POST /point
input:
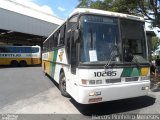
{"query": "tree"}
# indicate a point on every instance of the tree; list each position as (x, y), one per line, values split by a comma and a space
(150, 9)
(155, 43)
(84, 3)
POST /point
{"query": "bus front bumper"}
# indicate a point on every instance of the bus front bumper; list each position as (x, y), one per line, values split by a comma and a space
(90, 95)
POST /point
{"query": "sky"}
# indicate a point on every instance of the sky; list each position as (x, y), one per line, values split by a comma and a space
(58, 8)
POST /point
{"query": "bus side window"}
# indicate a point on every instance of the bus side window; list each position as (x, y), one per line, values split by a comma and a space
(73, 51)
(73, 54)
(71, 22)
(22, 49)
(46, 46)
(52, 42)
(35, 50)
(3, 50)
(68, 46)
(28, 50)
(55, 39)
(62, 34)
(58, 38)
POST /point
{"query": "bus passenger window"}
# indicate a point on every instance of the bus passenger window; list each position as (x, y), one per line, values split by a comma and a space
(55, 39)
(59, 38)
(52, 42)
(68, 46)
(35, 50)
(2, 50)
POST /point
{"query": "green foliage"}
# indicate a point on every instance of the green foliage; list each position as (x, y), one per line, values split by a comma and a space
(155, 43)
(84, 3)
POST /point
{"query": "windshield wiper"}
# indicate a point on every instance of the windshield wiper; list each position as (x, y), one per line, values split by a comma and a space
(136, 61)
(91, 43)
(114, 52)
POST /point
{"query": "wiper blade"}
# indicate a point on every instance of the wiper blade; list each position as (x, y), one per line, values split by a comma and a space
(114, 51)
(91, 43)
(135, 60)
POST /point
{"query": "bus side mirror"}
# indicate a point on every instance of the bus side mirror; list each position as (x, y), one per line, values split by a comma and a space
(76, 35)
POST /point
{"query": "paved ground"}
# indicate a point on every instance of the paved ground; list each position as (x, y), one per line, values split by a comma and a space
(28, 90)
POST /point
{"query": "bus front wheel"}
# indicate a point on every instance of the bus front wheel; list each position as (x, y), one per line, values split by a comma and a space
(62, 85)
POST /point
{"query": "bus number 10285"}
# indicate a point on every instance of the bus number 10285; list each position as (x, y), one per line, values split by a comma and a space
(105, 73)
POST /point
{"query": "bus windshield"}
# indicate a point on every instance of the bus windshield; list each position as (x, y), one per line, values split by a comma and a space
(101, 40)
(133, 41)
(99, 36)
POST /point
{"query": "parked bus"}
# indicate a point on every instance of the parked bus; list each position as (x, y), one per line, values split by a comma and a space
(97, 56)
(20, 55)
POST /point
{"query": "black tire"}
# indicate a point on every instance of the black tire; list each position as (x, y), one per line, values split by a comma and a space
(62, 85)
(14, 63)
(23, 63)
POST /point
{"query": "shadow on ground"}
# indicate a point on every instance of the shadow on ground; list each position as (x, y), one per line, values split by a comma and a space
(114, 107)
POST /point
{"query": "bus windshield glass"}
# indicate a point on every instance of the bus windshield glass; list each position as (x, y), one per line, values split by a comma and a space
(133, 41)
(101, 40)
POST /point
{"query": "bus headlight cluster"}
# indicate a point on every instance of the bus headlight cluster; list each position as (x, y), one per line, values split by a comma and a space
(95, 93)
(91, 82)
(145, 88)
(145, 78)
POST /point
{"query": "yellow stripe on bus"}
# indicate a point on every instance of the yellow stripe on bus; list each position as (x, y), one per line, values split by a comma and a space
(29, 61)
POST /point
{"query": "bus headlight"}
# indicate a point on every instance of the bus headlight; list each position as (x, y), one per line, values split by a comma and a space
(95, 93)
(90, 82)
(98, 81)
(145, 78)
(84, 82)
(145, 88)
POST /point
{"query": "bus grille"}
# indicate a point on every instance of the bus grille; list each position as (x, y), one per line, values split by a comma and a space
(113, 80)
(130, 79)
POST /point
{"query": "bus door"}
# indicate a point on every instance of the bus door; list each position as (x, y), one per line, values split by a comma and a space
(73, 53)
(73, 58)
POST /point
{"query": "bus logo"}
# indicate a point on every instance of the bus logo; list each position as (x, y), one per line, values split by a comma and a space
(60, 56)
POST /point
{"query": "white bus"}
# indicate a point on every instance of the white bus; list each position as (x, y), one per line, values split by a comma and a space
(97, 56)
(20, 55)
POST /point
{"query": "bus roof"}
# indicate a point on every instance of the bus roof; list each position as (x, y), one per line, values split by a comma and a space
(107, 13)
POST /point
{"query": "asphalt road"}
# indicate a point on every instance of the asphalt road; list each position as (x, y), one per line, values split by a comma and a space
(28, 91)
